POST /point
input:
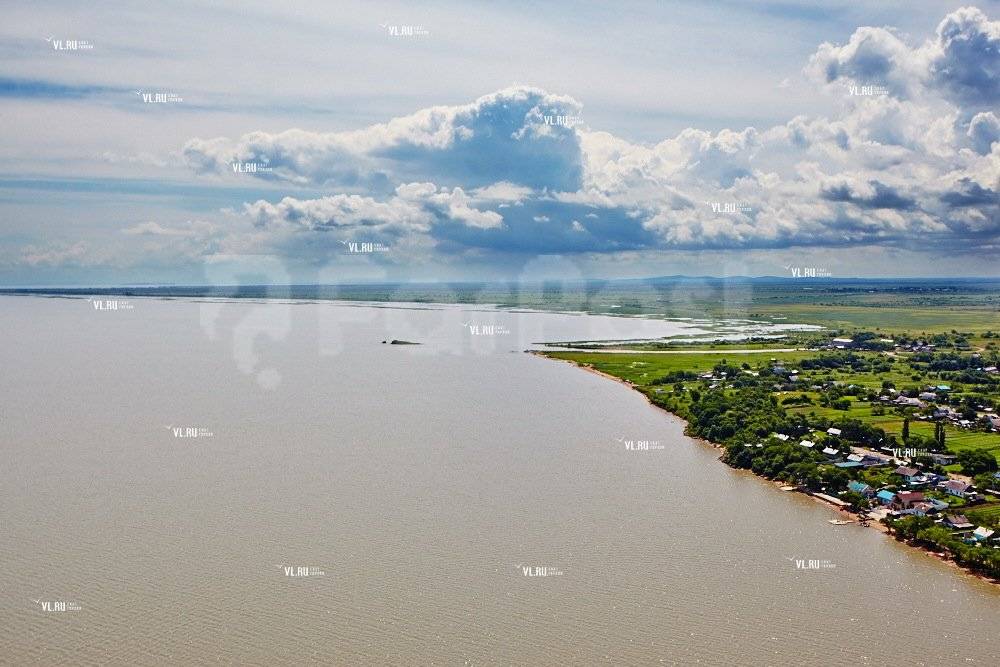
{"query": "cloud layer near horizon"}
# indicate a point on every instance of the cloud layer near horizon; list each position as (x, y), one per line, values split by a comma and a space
(910, 158)
(907, 158)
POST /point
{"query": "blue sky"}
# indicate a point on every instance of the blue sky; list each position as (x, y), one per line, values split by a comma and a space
(486, 140)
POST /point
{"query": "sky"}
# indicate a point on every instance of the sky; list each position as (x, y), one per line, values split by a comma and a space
(337, 142)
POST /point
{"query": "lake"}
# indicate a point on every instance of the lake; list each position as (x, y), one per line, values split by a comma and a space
(194, 481)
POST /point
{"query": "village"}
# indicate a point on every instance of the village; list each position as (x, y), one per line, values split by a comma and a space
(902, 432)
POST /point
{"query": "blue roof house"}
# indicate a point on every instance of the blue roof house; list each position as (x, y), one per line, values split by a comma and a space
(862, 488)
(886, 497)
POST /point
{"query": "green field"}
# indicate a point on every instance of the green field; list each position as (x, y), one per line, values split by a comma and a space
(957, 439)
(642, 369)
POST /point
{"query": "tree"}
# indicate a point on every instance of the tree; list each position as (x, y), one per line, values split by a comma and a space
(939, 434)
(858, 502)
(908, 527)
(906, 429)
(986, 480)
(975, 461)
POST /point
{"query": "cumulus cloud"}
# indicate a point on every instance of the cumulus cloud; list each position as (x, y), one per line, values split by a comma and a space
(908, 157)
(960, 63)
(965, 58)
(512, 136)
(984, 131)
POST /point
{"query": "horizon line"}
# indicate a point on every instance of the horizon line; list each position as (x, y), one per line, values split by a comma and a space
(538, 281)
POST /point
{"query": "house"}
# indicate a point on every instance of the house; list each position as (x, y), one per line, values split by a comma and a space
(907, 499)
(861, 488)
(994, 421)
(922, 509)
(808, 444)
(943, 459)
(868, 458)
(912, 476)
(982, 534)
(956, 522)
(943, 387)
(927, 396)
(886, 497)
(910, 402)
(958, 488)
(831, 452)
(938, 505)
(781, 436)
(833, 431)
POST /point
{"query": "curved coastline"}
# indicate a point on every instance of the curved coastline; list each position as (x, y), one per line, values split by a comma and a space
(877, 525)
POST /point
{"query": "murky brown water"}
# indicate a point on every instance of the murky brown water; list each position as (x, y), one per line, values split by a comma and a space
(420, 481)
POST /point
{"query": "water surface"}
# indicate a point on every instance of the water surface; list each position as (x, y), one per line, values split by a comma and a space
(420, 480)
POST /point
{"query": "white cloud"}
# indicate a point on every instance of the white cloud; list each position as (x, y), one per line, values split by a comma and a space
(916, 167)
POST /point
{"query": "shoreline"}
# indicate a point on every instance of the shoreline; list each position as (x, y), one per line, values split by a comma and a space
(847, 514)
